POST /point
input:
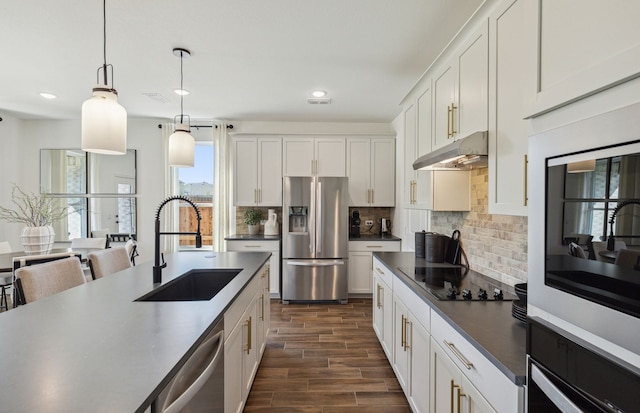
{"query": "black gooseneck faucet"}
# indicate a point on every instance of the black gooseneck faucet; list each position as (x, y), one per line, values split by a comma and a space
(157, 267)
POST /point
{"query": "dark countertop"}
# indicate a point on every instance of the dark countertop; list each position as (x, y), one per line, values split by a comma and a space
(375, 237)
(487, 325)
(93, 348)
(257, 237)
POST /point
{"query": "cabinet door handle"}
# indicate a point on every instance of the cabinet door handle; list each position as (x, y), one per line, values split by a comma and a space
(407, 324)
(261, 306)
(372, 197)
(249, 335)
(460, 395)
(451, 390)
(379, 304)
(449, 134)
(526, 164)
(459, 355)
(402, 333)
(453, 123)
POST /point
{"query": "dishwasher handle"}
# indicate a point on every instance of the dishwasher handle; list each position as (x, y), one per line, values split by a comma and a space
(181, 401)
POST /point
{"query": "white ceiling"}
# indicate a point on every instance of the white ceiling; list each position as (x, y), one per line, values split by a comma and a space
(250, 59)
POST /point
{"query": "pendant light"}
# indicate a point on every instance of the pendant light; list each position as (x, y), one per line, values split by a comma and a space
(104, 121)
(181, 143)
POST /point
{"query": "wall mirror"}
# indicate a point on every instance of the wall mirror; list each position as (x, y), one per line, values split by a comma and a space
(73, 171)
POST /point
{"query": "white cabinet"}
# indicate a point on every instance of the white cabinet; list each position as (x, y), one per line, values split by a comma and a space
(417, 142)
(511, 70)
(246, 325)
(257, 171)
(498, 392)
(572, 59)
(411, 345)
(460, 90)
(450, 389)
(371, 171)
(314, 156)
(383, 307)
(272, 246)
(360, 263)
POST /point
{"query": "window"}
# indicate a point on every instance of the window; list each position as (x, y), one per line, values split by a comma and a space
(197, 184)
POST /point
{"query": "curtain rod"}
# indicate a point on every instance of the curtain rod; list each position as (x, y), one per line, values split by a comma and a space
(193, 126)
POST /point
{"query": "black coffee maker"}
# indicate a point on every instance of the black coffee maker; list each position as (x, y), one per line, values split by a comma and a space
(354, 225)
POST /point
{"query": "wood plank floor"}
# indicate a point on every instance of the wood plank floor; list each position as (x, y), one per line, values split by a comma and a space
(324, 358)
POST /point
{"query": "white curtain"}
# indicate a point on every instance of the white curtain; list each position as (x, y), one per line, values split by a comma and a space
(169, 218)
(221, 186)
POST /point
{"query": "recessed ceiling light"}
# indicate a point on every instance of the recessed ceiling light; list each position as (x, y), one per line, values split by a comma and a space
(48, 95)
(181, 92)
(319, 93)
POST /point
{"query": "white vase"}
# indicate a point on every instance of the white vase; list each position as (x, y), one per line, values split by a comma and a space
(37, 240)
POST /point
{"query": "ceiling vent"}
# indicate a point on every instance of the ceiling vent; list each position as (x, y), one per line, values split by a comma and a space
(319, 101)
(156, 96)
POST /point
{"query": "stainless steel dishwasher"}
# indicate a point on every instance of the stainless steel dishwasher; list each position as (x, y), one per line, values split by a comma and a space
(199, 384)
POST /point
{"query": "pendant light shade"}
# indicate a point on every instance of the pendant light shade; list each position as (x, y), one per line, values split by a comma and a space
(181, 147)
(104, 123)
(104, 120)
(181, 143)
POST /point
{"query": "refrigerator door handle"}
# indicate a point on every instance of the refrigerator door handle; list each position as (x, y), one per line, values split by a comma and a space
(312, 220)
(319, 219)
(315, 264)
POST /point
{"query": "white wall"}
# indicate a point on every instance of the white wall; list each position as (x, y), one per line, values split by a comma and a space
(25, 138)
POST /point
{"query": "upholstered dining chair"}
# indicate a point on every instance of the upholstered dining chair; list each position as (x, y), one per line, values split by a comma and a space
(93, 243)
(628, 258)
(28, 260)
(600, 246)
(35, 282)
(132, 250)
(108, 261)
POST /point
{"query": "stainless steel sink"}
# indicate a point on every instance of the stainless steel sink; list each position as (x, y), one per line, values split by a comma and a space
(195, 285)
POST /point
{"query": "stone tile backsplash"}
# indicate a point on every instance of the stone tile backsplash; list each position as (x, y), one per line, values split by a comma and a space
(496, 245)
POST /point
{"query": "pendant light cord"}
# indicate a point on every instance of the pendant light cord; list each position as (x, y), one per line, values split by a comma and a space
(104, 39)
(181, 88)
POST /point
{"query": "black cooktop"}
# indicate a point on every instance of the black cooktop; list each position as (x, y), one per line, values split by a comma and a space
(454, 282)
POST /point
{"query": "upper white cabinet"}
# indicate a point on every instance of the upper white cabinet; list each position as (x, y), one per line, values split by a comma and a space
(511, 69)
(371, 171)
(314, 156)
(460, 90)
(418, 134)
(257, 171)
(582, 47)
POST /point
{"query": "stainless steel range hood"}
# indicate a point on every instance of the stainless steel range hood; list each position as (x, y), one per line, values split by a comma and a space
(463, 154)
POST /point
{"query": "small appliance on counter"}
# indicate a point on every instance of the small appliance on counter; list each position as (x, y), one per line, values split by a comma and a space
(354, 224)
(271, 226)
(385, 226)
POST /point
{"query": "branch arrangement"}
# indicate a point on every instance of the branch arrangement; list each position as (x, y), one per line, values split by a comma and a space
(31, 209)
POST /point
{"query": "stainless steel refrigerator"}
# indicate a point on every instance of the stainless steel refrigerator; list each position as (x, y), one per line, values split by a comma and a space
(315, 239)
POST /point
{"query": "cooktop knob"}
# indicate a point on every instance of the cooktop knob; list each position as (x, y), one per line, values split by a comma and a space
(451, 294)
(497, 294)
(466, 294)
(482, 294)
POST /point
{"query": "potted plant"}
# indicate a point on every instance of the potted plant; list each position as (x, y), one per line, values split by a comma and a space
(38, 212)
(252, 218)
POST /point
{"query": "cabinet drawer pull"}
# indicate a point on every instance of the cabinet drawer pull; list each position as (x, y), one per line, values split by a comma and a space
(379, 271)
(252, 246)
(374, 246)
(459, 355)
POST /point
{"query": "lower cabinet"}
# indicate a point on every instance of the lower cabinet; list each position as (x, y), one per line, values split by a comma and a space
(246, 324)
(437, 368)
(451, 391)
(360, 263)
(272, 246)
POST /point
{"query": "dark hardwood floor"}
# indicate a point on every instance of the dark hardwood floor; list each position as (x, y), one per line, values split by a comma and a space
(324, 358)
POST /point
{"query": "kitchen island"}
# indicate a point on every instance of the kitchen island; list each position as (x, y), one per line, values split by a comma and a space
(94, 348)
